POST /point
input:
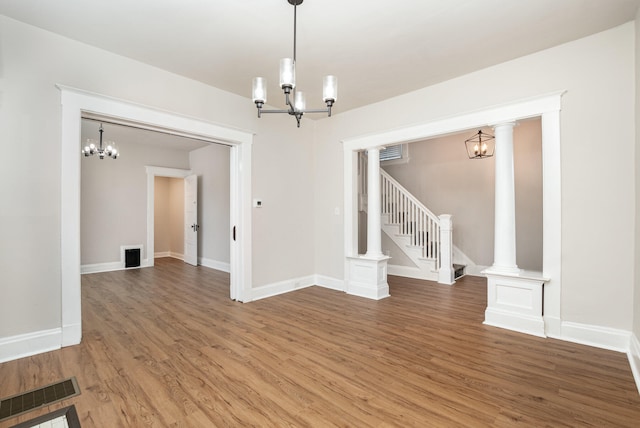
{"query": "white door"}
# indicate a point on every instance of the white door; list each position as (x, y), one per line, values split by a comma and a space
(191, 220)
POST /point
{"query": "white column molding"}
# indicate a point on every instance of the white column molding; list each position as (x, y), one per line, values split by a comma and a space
(445, 273)
(374, 231)
(504, 258)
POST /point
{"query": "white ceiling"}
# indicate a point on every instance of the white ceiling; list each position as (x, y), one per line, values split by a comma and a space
(378, 49)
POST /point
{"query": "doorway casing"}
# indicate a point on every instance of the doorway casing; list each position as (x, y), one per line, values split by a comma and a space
(74, 103)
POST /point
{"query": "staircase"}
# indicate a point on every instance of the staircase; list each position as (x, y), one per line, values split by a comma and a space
(416, 231)
(413, 228)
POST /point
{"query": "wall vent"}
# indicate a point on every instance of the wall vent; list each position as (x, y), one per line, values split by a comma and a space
(131, 256)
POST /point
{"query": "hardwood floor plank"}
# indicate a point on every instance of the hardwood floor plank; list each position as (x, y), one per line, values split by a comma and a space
(165, 347)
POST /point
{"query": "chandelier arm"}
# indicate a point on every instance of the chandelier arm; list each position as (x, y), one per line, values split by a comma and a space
(276, 111)
(323, 110)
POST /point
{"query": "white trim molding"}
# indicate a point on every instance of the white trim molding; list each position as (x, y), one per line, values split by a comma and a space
(26, 345)
(594, 335)
(329, 282)
(214, 264)
(282, 287)
(634, 359)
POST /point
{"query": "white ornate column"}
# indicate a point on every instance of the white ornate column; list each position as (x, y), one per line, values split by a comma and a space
(514, 297)
(374, 231)
(504, 250)
(367, 275)
(446, 274)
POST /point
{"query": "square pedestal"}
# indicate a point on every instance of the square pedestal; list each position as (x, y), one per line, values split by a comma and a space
(514, 301)
(367, 277)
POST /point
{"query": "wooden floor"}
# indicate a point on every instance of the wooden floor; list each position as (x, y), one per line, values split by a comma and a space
(165, 347)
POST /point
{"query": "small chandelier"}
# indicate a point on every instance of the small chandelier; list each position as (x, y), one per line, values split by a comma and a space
(90, 149)
(480, 146)
(288, 84)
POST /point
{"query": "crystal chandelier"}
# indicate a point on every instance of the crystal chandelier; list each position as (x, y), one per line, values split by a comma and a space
(288, 85)
(480, 146)
(91, 149)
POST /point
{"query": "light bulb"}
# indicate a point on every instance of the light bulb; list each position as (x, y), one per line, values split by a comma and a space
(259, 90)
(299, 101)
(287, 73)
(330, 88)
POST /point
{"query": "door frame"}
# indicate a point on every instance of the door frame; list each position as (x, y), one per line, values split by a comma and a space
(76, 101)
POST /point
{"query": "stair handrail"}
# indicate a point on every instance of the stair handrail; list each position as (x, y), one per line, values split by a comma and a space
(413, 217)
(408, 195)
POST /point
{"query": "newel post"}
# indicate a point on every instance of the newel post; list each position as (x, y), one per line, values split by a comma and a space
(446, 272)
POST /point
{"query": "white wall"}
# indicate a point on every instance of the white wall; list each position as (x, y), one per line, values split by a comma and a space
(597, 161)
(441, 175)
(32, 62)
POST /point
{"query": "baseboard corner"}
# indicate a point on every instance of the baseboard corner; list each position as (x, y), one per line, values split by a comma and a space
(634, 359)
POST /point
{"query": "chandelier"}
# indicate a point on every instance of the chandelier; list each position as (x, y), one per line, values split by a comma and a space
(288, 85)
(480, 146)
(91, 149)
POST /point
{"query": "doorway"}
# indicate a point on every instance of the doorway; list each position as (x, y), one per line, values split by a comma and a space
(75, 102)
(548, 108)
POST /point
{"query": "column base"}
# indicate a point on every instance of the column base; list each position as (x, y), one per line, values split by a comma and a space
(514, 302)
(367, 277)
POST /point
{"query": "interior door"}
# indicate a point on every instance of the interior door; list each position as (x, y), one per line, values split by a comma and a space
(191, 220)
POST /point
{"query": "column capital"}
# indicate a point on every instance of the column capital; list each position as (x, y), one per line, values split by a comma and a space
(511, 124)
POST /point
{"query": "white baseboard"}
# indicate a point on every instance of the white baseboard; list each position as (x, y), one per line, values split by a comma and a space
(597, 336)
(281, 287)
(475, 270)
(412, 272)
(522, 323)
(328, 282)
(214, 264)
(171, 254)
(634, 359)
(110, 266)
(26, 345)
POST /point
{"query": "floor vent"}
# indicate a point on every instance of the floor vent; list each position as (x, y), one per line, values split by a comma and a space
(13, 406)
